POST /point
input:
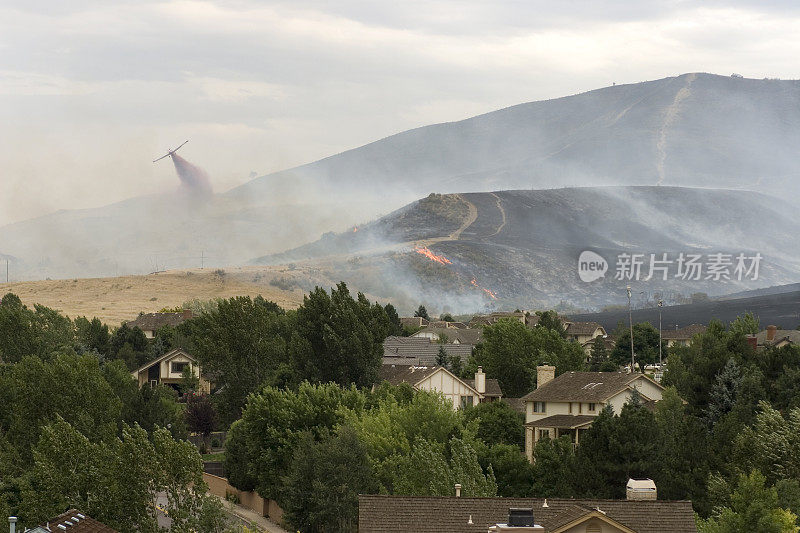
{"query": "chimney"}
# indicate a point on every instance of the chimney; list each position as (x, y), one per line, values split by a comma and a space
(187, 314)
(544, 374)
(12, 524)
(752, 341)
(458, 490)
(641, 489)
(480, 380)
(520, 520)
(771, 333)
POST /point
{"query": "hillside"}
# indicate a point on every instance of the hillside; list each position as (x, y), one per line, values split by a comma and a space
(522, 247)
(693, 130)
(116, 299)
(697, 130)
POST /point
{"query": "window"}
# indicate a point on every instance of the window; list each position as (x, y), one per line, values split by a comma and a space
(466, 401)
(544, 434)
(539, 407)
(154, 383)
(177, 368)
(580, 408)
(592, 408)
(570, 407)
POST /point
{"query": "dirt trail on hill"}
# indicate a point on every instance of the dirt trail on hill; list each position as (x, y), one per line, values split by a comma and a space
(502, 213)
(472, 217)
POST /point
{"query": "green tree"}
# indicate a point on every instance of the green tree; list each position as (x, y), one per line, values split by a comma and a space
(201, 417)
(324, 481)
(598, 357)
(753, 507)
(512, 471)
(746, 324)
(645, 345)
(497, 423)
(92, 335)
(447, 317)
(550, 320)
(441, 357)
(422, 312)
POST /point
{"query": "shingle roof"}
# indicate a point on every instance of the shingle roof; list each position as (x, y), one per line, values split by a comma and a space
(464, 336)
(412, 374)
(516, 403)
(492, 386)
(437, 514)
(562, 421)
(73, 522)
(583, 387)
(154, 321)
(422, 349)
(791, 335)
(583, 328)
(413, 321)
(169, 355)
(686, 332)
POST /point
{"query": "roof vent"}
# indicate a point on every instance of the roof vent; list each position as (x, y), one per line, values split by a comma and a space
(520, 517)
(62, 527)
(79, 515)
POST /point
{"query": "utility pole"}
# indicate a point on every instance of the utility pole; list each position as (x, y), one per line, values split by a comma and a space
(630, 322)
(202, 259)
(6, 270)
(660, 304)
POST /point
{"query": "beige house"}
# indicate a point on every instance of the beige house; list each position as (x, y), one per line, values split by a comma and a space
(583, 332)
(168, 370)
(568, 404)
(682, 336)
(462, 393)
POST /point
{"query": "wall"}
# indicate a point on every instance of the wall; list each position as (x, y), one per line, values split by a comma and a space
(451, 387)
(219, 486)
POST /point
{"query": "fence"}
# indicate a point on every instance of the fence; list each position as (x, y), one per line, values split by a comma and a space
(219, 486)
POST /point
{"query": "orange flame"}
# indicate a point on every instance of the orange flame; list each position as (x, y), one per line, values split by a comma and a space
(493, 295)
(432, 256)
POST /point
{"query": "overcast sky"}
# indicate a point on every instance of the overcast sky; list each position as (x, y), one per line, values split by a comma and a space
(92, 91)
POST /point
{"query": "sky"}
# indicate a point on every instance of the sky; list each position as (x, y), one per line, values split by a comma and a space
(92, 91)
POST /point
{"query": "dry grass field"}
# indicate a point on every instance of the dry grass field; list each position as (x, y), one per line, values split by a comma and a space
(114, 300)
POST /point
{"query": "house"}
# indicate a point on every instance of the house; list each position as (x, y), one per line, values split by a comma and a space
(463, 393)
(487, 320)
(445, 324)
(569, 403)
(421, 351)
(583, 332)
(168, 370)
(452, 335)
(682, 336)
(71, 521)
(149, 323)
(777, 338)
(413, 321)
(609, 341)
(449, 514)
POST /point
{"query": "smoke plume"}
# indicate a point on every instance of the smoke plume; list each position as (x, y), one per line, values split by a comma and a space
(193, 178)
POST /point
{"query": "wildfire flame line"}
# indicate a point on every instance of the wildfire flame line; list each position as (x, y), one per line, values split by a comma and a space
(487, 291)
(432, 256)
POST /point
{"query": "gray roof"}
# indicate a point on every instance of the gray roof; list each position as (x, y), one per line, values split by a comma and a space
(463, 335)
(583, 387)
(73, 521)
(516, 403)
(492, 386)
(411, 374)
(444, 514)
(790, 335)
(562, 421)
(421, 351)
(583, 328)
(155, 321)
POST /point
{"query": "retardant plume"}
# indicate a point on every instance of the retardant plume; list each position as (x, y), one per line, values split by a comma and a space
(193, 178)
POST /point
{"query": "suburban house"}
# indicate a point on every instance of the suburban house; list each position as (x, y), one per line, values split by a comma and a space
(609, 341)
(583, 332)
(487, 320)
(449, 514)
(413, 321)
(72, 521)
(420, 351)
(168, 370)
(463, 393)
(777, 338)
(451, 335)
(682, 336)
(569, 403)
(149, 323)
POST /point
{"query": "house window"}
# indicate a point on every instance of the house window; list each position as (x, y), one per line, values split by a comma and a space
(466, 401)
(592, 408)
(544, 434)
(177, 368)
(154, 383)
(580, 408)
(570, 407)
(539, 407)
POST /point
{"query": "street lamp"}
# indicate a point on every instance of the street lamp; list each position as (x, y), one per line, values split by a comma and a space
(630, 322)
(660, 305)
